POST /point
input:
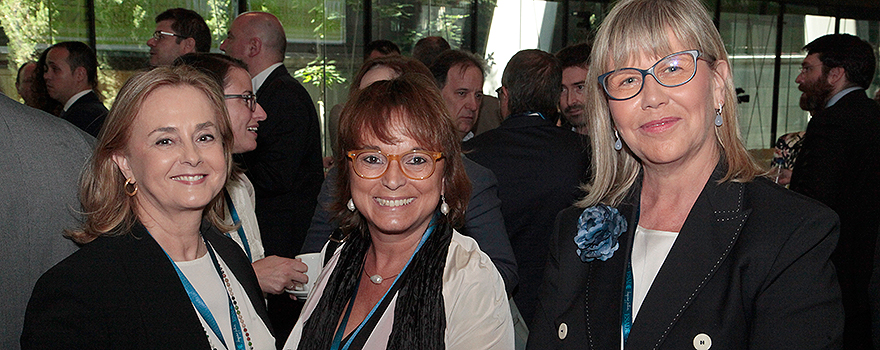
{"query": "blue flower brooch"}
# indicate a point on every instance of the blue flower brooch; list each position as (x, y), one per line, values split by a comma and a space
(599, 228)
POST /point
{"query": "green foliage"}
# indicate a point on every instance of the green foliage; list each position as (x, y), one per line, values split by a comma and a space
(320, 71)
(25, 24)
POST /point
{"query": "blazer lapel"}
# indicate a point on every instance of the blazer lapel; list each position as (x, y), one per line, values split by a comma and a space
(707, 236)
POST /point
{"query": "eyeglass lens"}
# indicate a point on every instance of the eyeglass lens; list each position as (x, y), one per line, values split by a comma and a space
(415, 165)
(672, 70)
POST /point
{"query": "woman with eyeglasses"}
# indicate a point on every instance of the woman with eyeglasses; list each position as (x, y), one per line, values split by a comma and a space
(681, 243)
(276, 274)
(403, 278)
(154, 271)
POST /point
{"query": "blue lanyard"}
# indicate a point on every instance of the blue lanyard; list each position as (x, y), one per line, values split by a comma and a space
(202, 307)
(627, 303)
(337, 340)
(236, 220)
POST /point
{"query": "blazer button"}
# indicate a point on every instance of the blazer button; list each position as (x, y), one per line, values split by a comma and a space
(702, 342)
(563, 331)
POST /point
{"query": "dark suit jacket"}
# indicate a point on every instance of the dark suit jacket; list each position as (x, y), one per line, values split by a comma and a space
(750, 269)
(539, 167)
(483, 220)
(286, 167)
(839, 165)
(87, 113)
(123, 293)
(42, 157)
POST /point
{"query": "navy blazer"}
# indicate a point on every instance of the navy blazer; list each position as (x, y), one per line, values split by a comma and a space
(87, 113)
(750, 269)
(539, 167)
(123, 293)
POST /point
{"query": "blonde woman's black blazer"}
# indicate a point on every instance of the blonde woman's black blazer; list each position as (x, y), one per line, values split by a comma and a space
(750, 269)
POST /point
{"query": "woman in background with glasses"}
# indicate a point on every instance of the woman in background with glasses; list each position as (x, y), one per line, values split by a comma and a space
(276, 274)
(403, 278)
(680, 243)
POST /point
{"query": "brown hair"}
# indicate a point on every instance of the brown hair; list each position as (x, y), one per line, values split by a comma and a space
(632, 28)
(109, 211)
(414, 100)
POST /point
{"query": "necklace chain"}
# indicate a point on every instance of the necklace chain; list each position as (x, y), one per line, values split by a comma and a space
(378, 279)
(247, 336)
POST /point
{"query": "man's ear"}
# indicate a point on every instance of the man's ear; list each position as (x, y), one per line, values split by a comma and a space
(187, 45)
(79, 74)
(122, 163)
(836, 75)
(255, 46)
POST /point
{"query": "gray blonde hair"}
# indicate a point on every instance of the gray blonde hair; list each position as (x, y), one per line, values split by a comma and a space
(634, 27)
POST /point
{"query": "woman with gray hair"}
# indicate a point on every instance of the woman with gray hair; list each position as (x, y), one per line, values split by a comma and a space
(680, 242)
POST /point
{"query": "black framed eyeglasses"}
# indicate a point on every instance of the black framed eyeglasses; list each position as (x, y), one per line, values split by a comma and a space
(415, 164)
(248, 98)
(674, 70)
(158, 35)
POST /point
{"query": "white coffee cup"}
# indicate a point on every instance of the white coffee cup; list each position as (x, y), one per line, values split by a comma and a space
(313, 262)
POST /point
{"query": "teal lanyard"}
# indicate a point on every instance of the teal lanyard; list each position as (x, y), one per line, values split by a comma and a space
(627, 303)
(202, 307)
(337, 339)
(236, 220)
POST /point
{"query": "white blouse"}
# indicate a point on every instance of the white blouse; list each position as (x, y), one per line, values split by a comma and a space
(202, 274)
(242, 193)
(477, 311)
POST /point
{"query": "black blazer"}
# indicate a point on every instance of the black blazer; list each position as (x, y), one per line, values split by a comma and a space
(750, 269)
(123, 293)
(87, 113)
(539, 167)
(839, 165)
(286, 167)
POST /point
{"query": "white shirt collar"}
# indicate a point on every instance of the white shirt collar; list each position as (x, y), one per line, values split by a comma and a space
(839, 95)
(468, 136)
(74, 98)
(259, 79)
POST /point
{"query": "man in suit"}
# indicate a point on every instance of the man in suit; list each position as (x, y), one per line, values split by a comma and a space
(459, 75)
(575, 60)
(538, 165)
(42, 157)
(286, 167)
(71, 79)
(178, 32)
(24, 82)
(839, 163)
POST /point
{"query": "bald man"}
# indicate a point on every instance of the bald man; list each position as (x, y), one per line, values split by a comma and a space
(286, 167)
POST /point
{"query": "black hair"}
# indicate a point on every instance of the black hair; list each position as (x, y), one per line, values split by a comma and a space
(188, 24)
(577, 55)
(386, 47)
(80, 55)
(854, 55)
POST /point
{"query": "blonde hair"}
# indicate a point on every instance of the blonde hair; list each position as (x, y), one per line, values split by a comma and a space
(636, 27)
(109, 211)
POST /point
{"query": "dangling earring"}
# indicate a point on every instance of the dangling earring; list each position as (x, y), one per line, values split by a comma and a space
(444, 208)
(350, 205)
(130, 183)
(718, 119)
(617, 144)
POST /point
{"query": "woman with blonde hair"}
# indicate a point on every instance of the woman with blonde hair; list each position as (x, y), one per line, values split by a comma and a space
(679, 242)
(154, 271)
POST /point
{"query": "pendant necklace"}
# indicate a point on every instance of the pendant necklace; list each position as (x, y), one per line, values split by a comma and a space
(377, 279)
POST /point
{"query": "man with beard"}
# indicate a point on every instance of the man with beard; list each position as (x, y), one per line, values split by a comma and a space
(575, 61)
(839, 163)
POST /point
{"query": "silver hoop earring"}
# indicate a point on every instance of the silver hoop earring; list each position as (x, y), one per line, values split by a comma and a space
(350, 205)
(618, 145)
(718, 119)
(444, 208)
